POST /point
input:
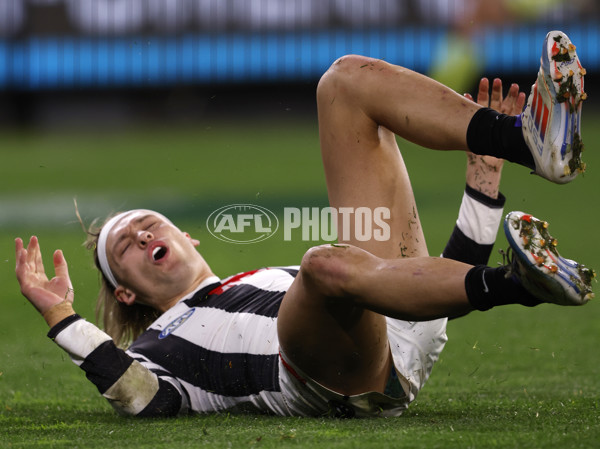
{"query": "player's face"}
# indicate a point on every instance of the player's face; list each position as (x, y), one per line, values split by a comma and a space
(152, 257)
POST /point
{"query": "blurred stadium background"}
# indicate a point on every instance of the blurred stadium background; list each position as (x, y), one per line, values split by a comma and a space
(63, 58)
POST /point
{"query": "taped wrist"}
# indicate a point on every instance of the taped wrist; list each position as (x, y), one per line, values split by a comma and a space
(58, 312)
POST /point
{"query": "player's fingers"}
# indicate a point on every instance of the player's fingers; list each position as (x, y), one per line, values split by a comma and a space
(519, 104)
(468, 96)
(24, 269)
(34, 256)
(483, 95)
(31, 250)
(61, 268)
(511, 98)
(20, 258)
(18, 247)
(496, 100)
(39, 263)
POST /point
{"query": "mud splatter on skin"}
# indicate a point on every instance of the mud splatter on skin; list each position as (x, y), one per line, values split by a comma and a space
(403, 249)
(481, 171)
(485, 165)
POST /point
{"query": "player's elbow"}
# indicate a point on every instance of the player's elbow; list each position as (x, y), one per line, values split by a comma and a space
(139, 392)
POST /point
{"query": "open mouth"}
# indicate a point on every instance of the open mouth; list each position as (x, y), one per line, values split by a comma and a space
(158, 252)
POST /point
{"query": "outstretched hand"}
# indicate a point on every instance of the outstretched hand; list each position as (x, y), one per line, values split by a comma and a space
(513, 103)
(42, 292)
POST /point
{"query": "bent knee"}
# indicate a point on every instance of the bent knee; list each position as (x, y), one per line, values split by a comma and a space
(350, 63)
(332, 269)
(340, 73)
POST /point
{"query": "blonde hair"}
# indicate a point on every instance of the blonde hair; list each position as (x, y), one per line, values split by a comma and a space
(122, 322)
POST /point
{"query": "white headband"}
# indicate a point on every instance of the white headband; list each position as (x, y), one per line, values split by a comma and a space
(101, 247)
(103, 237)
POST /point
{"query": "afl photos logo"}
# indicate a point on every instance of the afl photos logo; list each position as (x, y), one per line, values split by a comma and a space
(242, 223)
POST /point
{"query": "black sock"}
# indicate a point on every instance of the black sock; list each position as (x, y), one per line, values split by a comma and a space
(499, 135)
(489, 287)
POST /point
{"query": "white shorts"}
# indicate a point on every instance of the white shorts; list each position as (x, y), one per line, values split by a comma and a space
(415, 347)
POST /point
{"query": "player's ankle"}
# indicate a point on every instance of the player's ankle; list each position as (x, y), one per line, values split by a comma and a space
(494, 134)
(489, 287)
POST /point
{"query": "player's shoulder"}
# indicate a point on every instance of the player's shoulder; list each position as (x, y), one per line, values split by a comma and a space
(262, 273)
(267, 279)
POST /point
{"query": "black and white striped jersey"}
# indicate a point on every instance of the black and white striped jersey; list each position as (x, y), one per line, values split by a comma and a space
(216, 349)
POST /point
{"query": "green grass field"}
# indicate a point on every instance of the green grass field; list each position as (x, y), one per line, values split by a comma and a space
(509, 378)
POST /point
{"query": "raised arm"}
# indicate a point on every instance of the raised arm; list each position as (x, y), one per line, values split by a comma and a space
(130, 387)
(482, 205)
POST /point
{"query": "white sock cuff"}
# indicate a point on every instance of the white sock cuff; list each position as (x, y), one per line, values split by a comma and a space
(480, 220)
